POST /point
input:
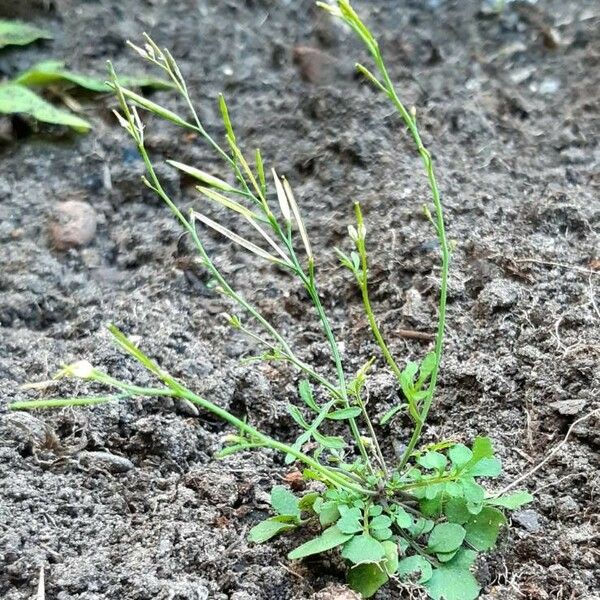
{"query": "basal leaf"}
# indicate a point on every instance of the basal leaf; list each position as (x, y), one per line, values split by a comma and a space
(483, 529)
(454, 580)
(17, 33)
(415, 567)
(267, 529)
(329, 539)
(363, 549)
(456, 511)
(351, 521)
(367, 579)
(328, 513)
(446, 537)
(402, 518)
(472, 491)
(284, 502)
(16, 99)
(512, 501)
(52, 71)
(391, 557)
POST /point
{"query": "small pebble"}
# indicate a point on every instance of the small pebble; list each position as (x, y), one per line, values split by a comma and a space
(528, 519)
(105, 461)
(73, 225)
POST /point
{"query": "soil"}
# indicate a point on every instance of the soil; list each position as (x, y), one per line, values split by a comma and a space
(126, 501)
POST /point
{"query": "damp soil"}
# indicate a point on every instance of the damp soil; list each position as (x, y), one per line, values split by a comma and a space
(126, 501)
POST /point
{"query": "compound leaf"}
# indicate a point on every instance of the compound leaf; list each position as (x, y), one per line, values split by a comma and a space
(329, 539)
(17, 33)
(483, 529)
(16, 99)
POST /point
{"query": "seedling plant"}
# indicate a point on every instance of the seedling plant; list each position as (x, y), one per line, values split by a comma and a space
(421, 517)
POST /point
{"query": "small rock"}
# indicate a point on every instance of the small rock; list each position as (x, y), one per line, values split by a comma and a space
(315, 65)
(528, 519)
(74, 225)
(568, 408)
(336, 592)
(549, 86)
(566, 506)
(498, 294)
(24, 425)
(105, 461)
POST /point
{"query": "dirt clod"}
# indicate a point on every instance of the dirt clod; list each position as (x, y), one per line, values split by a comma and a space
(73, 225)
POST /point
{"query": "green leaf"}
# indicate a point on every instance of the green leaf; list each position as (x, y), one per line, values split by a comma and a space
(433, 460)
(284, 502)
(366, 579)
(329, 539)
(332, 442)
(16, 99)
(363, 549)
(380, 522)
(17, 33)
(453, 580)
(391, 557)
(486, 467)
(402, 518)
(446, 537)
(328, 512)
(483, 529)
(473, 491)
(351, 521)
(267, 529)
(426, 368)
(297, 416)
(456, 511)
(512, 501)
(345, 413)
(53, 71)
(482, 448)
(460, 455)
(409, 566)
(305, 392)
(307, 501)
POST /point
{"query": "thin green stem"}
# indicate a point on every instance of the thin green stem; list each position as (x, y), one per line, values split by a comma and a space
(362, 278)
(410, 122)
